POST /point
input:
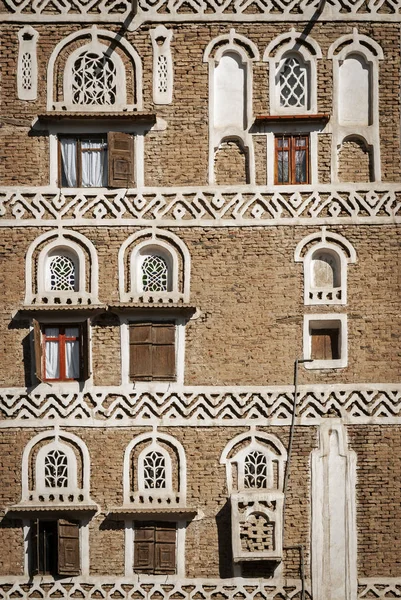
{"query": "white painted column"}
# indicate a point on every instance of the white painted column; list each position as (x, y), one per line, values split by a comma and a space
(334, 565)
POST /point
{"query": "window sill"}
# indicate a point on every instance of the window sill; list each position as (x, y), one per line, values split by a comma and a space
(339, 363)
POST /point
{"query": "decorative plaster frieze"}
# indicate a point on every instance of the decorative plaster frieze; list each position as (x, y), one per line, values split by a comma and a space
(124, 588)
(379, 587)
(203, 207)
(205, 406)
(102, 11)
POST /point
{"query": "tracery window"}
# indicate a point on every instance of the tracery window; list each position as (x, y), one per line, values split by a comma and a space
(154, 274)
(154, 467)
(94, 79)
(62, 273)
(255, 470)
(293, 83)
(56, 469)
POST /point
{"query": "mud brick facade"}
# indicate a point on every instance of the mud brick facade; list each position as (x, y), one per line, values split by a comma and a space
(200, 310)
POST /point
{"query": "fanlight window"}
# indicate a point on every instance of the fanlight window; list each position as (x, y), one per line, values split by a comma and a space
(255, 470)
(325, 270)
(154, 466)
(154, 274)
(62, 273)
(56, 469)
(94, 79)
(293, 83)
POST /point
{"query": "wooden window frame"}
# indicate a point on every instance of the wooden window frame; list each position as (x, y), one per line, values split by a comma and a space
(329, 340)
(120, 157)
(64, 548)
(79, 138)
(40, 350)
(292, 149)
(153, 348)
(156, 541)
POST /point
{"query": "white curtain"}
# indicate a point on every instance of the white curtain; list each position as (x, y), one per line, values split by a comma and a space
(52, 354)
(94, 171)
(72, 353)
(69, 162)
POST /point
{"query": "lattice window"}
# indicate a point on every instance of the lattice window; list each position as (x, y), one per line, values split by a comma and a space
(26, 71)
(154, 274)
(255, 470)
(162, 74)
(293, 84)
(257, 534)
(154, 466)
(56, 469)
(94, 80)
(62, 273)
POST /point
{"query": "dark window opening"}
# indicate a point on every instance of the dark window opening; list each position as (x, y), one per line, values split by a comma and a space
(325, 344)
(292, 159)
(55, 548)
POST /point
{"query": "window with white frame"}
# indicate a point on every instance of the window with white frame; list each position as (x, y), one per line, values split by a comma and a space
(56, 469)
(255, 470)
(155, 270)
(325, 341)
(292, 79)
(62, 271)
(154, 469)
(104, 160)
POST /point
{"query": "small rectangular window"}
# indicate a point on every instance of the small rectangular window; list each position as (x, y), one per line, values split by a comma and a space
(61, 351)
(96, 160)
(155, 548)
(152, 351)
(54, 547)
(291, 159)
(325, 344)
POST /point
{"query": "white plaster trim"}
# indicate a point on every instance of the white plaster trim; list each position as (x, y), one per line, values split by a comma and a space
(153, 437)
(334, 534)
(276, 52)
(94, 33)
(324, 241)
(322, 321)
(63, 238)
(27, 48)
(153, 238)
(54, 435)
(162, 50)
(356, 43)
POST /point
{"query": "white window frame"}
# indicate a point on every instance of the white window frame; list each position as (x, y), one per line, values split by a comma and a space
(326, 321)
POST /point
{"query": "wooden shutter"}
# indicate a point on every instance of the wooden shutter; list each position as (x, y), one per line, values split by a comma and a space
(84, 349)
(35, 553)
(144, 548)
(121, 159)
(141, 351)
(325, 344)
(165, 541)
(37, 342)
(163, 358)
(68, 548)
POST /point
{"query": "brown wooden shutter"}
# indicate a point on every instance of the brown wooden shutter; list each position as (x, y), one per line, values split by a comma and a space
(121, 159)
(37, 342)
(141, 351)
(325, 344)
(165, 542)
(34, 554)
(144, 548)
(84, 349)
(68, 548)
(163, 351)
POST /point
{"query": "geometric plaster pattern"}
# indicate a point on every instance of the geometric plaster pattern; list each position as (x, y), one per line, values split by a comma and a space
(343, 203)
(205, 406)
(117, 10)
(104, 588)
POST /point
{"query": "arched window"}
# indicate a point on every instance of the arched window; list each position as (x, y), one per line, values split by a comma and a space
(94, 79)
(292, 59)
(56, 469)
(155, 273)
(61, 272)
(154, 470)
(293, 77)
(325, 256)
(255, 470)
(158, 267)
